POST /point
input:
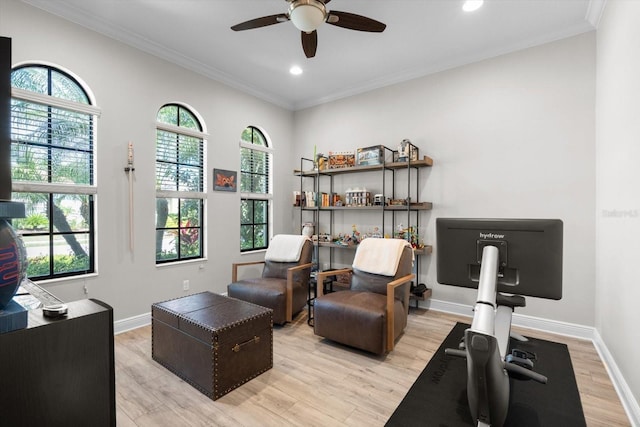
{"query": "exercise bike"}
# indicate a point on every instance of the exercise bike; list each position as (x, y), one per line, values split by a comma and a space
(485, 345)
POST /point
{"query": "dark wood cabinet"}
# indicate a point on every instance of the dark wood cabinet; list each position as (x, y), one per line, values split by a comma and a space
(60, 372)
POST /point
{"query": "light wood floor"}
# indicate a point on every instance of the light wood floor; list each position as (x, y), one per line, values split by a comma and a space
(318, 383)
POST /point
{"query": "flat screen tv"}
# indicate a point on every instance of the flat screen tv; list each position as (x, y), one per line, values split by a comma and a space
(530, 254)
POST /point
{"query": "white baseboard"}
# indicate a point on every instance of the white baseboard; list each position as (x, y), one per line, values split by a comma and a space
(553, 326)
(629, 403)
(124, 325)
(567, 329)
(546, 325)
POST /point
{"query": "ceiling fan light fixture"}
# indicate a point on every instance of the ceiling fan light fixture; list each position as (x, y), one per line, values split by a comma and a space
(471, 5)
(307, 15)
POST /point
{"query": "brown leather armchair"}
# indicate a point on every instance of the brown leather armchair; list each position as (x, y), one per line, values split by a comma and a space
(283, 284)
(372, 314)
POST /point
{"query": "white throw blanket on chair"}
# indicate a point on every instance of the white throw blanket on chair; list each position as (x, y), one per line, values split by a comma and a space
(379, 256)
(285, 248)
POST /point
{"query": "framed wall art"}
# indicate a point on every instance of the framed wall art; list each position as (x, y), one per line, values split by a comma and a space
(225, 180)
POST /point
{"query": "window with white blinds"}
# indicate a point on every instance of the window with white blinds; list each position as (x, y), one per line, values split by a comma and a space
(255, 189)
(51, 145)
(52, 168)
(180, 185)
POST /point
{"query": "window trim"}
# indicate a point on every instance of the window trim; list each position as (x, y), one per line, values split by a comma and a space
(250, 146)
(56, 102)
(253, 225)
(268, 196)
(175, 194)
(32, 187)
(178, 229)
(182, 131)
(90, 190)
(256, 196)
(181, 195)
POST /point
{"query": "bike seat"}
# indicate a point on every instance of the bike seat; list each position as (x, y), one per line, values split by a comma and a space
(512, 301)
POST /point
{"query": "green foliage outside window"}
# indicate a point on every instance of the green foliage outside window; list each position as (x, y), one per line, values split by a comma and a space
(179, 167)
(180, 237)
(254, 179)
(254, 224)
(51, 145)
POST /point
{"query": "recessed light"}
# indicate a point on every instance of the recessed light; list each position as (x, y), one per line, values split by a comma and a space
(471, 5)
(295, 70)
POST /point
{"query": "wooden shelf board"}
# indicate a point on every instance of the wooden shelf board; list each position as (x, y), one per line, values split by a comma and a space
(422, 206)
(426, 161)
(426, 250)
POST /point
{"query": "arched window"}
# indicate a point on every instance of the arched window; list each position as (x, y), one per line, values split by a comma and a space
(52, 168)
(255, 189)
(180, 182)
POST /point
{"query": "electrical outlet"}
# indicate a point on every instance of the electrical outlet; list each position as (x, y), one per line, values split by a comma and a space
(185, 285)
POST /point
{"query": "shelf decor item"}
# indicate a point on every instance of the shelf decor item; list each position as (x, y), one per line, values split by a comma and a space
(406, 151)
(309, 199)
(13, 256)
(341, 159)
(370, 155)
(321, 161)
(398, 202)
(358, 197)
(307, 229)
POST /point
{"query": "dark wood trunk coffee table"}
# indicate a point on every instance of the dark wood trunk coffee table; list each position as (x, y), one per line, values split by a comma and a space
(213, 342)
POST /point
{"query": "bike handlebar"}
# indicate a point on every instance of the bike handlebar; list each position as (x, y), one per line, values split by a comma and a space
(455, 352)
(510, 367)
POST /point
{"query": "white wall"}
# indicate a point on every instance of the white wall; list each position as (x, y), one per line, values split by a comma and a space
(130, 87)
(511, 136)
(618, 195)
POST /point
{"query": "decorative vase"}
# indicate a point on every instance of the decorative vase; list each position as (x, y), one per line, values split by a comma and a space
(307, 229)
(13, 262)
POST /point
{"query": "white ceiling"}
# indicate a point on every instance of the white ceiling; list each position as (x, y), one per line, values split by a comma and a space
(422, 37)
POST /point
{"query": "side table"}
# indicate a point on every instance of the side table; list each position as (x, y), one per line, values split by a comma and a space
(327, 284)
(417, 298)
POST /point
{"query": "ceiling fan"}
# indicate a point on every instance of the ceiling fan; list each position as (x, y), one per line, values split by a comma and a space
(307, 16)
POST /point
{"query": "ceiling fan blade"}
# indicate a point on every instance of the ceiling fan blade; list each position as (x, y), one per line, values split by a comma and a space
(355, 22)
(261, 22)
(309, 43)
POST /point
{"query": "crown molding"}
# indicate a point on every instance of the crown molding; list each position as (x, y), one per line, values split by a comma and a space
(92, 23)
(449, 64)
(595, 11)
(77, 16)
